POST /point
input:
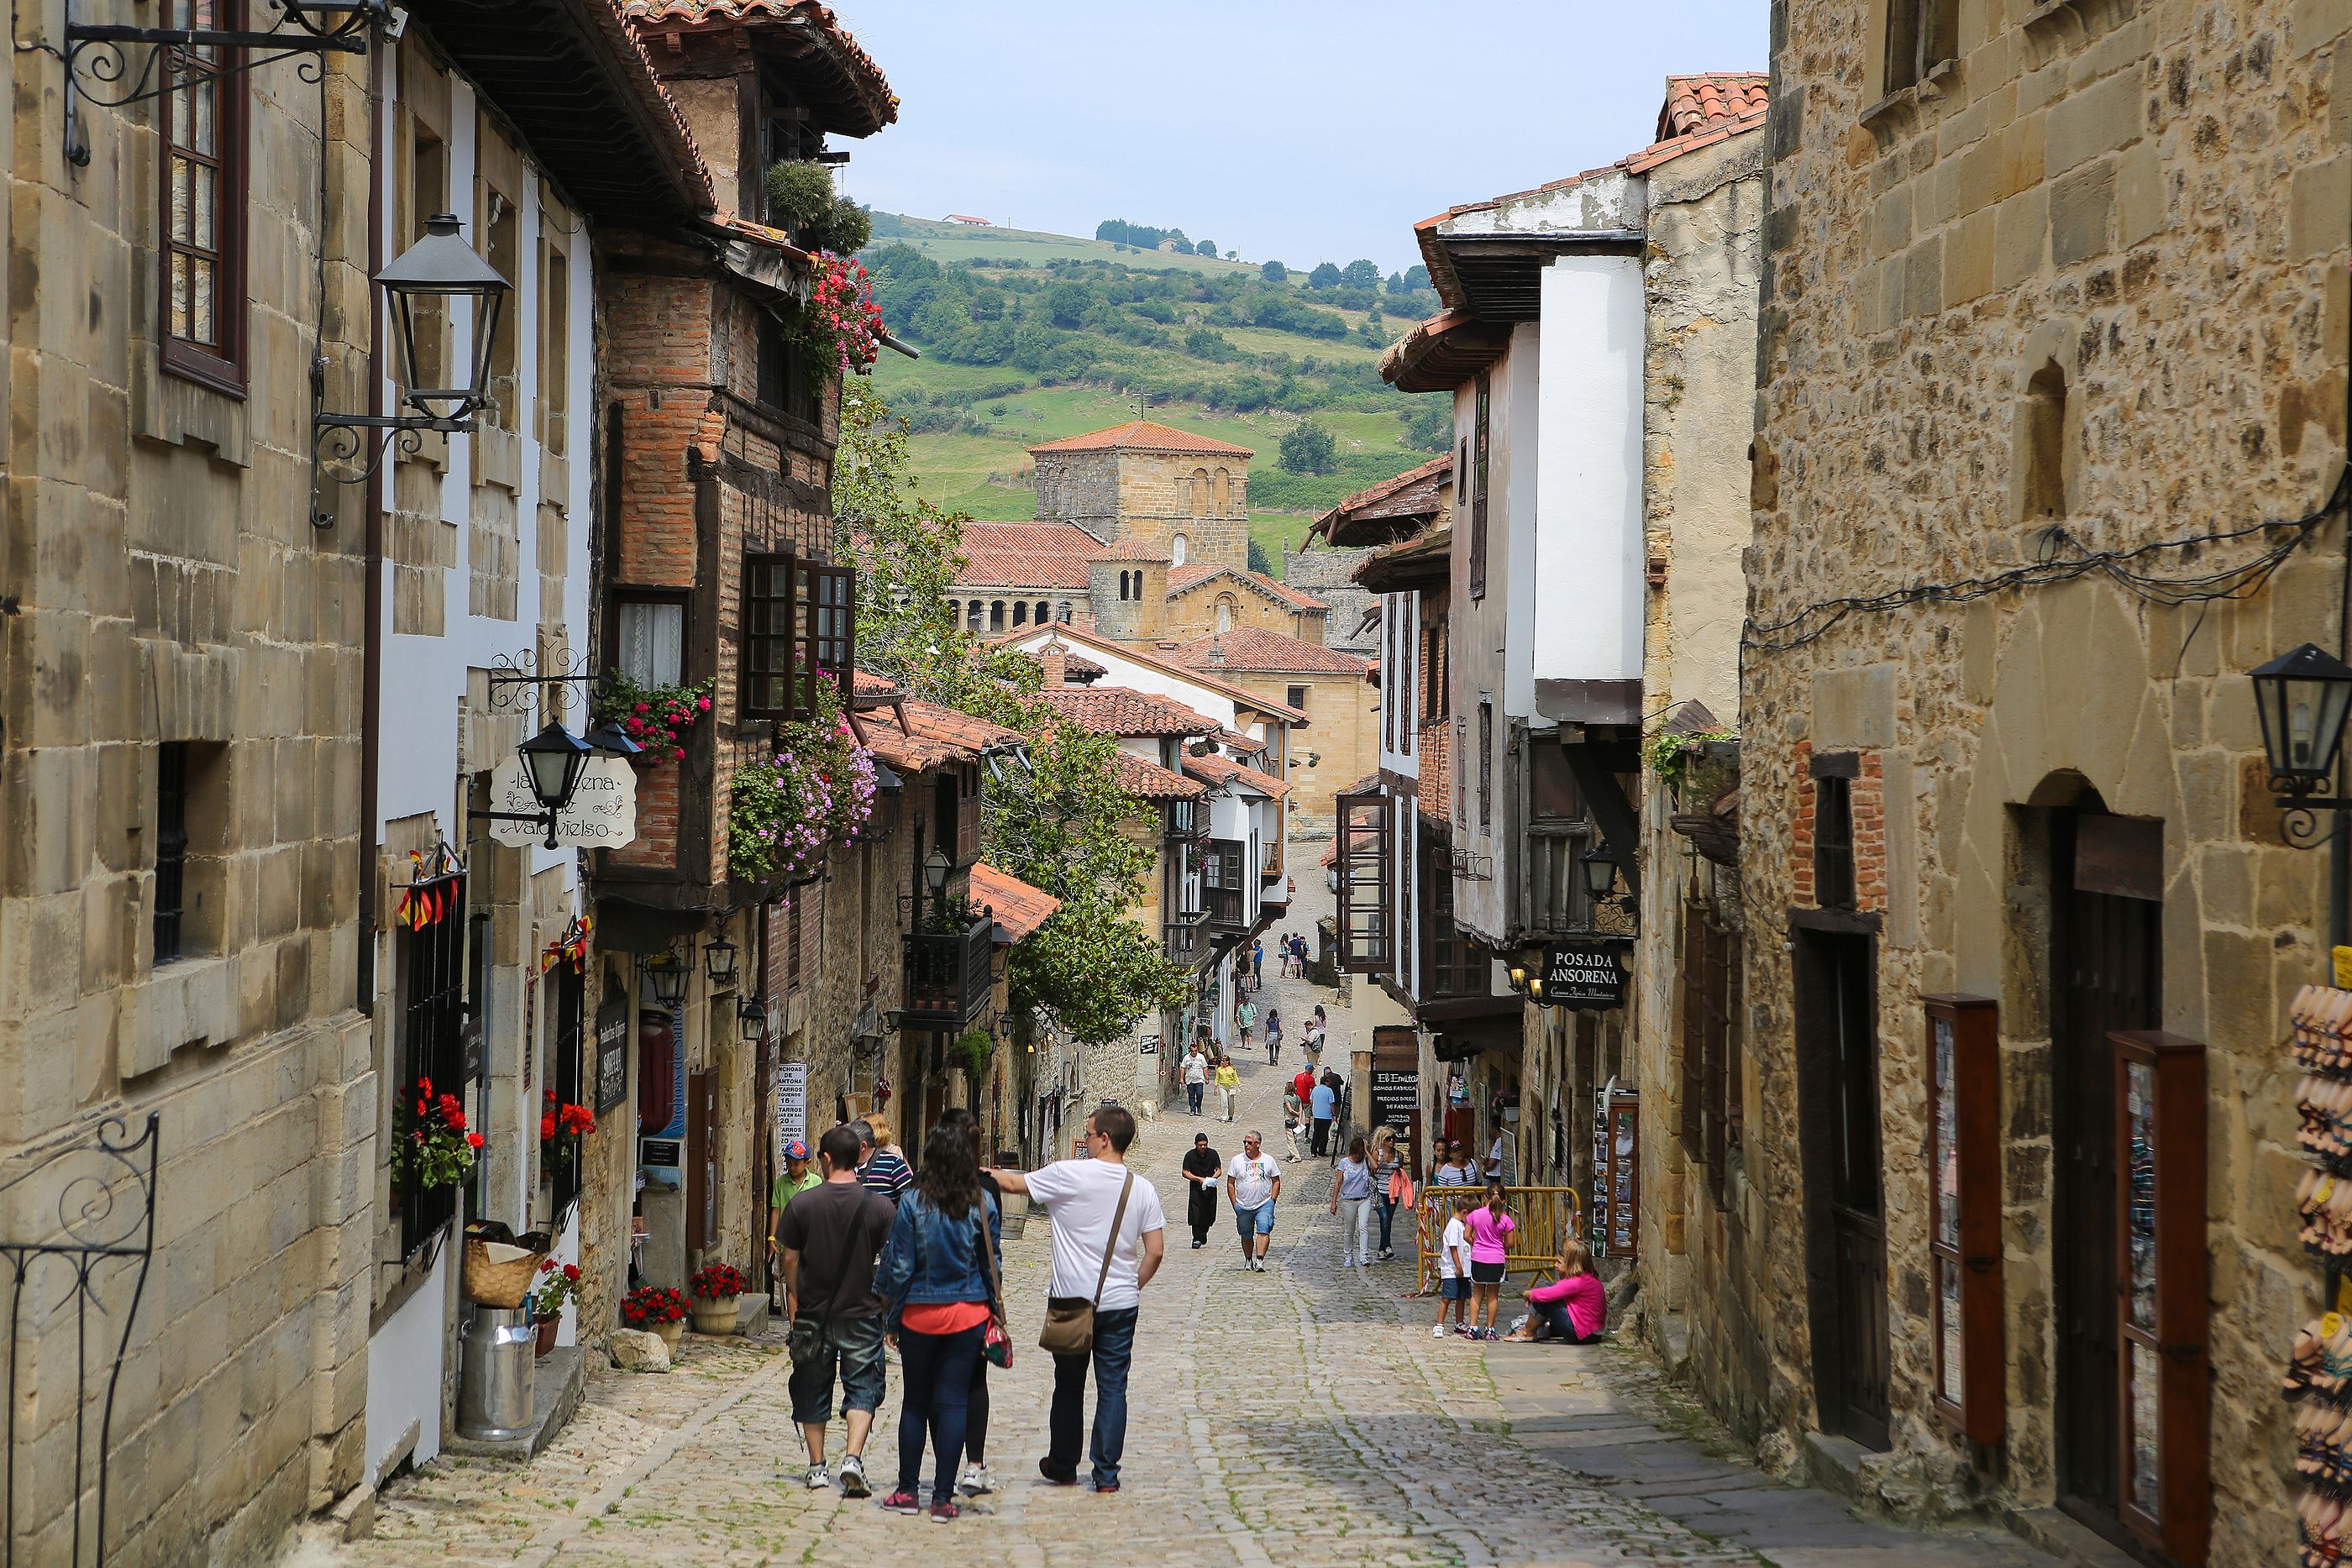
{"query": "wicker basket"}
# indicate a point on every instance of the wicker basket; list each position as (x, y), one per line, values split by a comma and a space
(492, 1282)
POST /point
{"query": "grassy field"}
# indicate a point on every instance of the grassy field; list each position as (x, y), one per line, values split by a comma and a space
(946, 242)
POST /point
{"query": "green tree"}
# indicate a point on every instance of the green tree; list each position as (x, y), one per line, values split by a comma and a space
(1324, 276)
(1204, 247)
(1429, 424)
(1307, 448)
(1257, 559)
(1360, 274)
(1274, 272)
(1062, 824)
(1067, 305)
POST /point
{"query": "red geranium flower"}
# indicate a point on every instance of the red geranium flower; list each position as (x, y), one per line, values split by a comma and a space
(546, 1128)
(473, 1140)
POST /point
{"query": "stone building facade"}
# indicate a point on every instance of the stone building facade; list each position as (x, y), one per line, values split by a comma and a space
(1205, 600)
(1151, 485)
(2042, 282)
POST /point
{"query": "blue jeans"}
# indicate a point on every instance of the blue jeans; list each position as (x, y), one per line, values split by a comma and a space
(938, 1372)
(1114, 1350)
(1192, 1092)
(1388, 1208)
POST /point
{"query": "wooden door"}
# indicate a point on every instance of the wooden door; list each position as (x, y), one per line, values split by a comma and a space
(2105, 960)
(1837, 1087)
(701, 1160)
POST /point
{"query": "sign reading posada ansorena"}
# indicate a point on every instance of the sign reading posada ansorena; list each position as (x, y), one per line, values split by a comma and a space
(1585, 972)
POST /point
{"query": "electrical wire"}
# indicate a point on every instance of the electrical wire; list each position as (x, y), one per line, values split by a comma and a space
(2133, 569)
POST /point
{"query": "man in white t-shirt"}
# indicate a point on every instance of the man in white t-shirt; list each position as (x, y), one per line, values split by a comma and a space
(1085, 1199)
(1196, 1078)
(1253, 1182)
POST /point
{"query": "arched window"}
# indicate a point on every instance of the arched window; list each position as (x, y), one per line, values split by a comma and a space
(1225, 612)
(996, 615)
(1224, 491)
(1200, 491)
(1021, 613)
(972, 618)
(1039, 614)
(1177, 547)
(1064, 617)
(2042, 443)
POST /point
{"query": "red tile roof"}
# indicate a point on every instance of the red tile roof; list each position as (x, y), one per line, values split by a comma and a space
(1150, 782)
(1142, 436)
(1443, 351)
(1185, 577)
(1122, 710)
(1075, 636)
(934, 735)
(1417, 492)
(1026, 555)
(1019, 909)
(1696, 101)
(1256, 649)
(1223, 770)
(859, 77)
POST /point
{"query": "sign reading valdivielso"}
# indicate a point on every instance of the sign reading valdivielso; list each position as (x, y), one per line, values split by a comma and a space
(1585, 972)
(603, 814)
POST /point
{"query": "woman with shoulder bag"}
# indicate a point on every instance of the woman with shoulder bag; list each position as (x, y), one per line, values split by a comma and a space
(997, 1351)
(1392, 1186)
(938, 1283)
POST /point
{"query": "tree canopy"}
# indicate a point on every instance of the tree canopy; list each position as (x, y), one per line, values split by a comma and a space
(1307, 448)
(1326, 275)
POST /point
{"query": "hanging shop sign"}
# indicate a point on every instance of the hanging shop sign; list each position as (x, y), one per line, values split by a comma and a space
(603, 814)
(611, 1054)
(1395, 1096)
(1616, 1163)
(1585, 973)
(792, 1104)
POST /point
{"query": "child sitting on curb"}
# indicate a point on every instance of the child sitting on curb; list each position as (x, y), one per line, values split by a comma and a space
(1573, 1307)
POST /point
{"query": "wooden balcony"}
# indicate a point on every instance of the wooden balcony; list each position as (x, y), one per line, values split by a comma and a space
(949, 976)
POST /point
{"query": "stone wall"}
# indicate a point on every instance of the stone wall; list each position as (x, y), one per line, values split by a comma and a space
(1329, 575)
(165, 584)
(2082, 291)
(1150, 497)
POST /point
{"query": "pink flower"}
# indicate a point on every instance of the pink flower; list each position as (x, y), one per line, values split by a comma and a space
(704, 706)
(678, 753)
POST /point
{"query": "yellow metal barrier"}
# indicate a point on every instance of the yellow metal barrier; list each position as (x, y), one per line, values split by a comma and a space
(1547, 1217)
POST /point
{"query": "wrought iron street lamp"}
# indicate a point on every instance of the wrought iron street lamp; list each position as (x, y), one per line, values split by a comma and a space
(718, 963)
(1600, 868)
(936, 866)
(608, 738)
(2302, 697)
(668, 975)
(751, 1014)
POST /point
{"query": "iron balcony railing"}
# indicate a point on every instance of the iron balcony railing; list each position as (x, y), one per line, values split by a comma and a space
(949, 975)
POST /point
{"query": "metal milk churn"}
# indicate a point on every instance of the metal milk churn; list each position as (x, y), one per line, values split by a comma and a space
(494, 1386)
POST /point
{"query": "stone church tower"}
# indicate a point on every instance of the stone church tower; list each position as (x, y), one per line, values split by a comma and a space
(1152, 487)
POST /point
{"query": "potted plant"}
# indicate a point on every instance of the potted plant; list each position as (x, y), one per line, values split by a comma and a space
(718, 1290)
(557, 1282)
(786, 811)
(434, 1147)
(560, 1128)
(655, 718)
(657, 1309)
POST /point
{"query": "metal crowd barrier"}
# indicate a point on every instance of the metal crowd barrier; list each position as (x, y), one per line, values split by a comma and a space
(1547, 1217)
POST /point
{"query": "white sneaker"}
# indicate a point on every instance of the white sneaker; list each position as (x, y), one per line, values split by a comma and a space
(853, 1477)
(1437, 1333)
(976, 1481)
(819, 1479)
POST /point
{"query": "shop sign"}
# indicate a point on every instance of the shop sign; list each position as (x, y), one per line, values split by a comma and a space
(1148, 1046)
(1395, 1097)
(611, 1054)
(603, 814)
(661, 1154)
(792, 1105)
(1585, 972)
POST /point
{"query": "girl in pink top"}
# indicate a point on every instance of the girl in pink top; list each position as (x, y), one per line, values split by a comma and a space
(1489, 1228)
(1573, 1307)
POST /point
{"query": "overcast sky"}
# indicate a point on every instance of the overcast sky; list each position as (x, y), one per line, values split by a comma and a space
(1301, 129)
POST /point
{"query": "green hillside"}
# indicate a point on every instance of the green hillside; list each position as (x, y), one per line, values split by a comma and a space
(1019, 348)
(965, 242)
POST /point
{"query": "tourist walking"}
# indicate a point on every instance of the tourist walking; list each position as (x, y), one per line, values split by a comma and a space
(1245, 1015)
(797, 1176)
(1316, 1026)
(1454, 1262)
(827, 1241)
(1272, 1036)
(1201, 1168)
(1229, 1083)
(1452, 1165)
(1257, 962)
(1110, 1236)
(1253, 1186)
(1352, 1191)
(1495, 1169)
(885, 1169)
(1196, 1078)
(1323, 1107)
(977, 1478)
(938, 1281)
(1392, 1186)
(1574, 1307)
(1490, 1229)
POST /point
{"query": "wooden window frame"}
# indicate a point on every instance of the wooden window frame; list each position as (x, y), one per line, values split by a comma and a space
(221, 365)
(1364, 848)
(567, 1075)
(1481, 424)
(1486, 765)
(2176, 1335)
(1712, 996)
(431, 965)
(1969, 1078)
(169, 914)
(808, 629)
(1833, 869)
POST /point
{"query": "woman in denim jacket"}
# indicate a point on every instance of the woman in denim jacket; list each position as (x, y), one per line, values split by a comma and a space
(936, 1281)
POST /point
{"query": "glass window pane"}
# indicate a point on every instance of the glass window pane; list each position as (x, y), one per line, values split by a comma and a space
(201, 327)
(204, 183)
(652, 639)
(2141, 1404)
(1947, 1135)
(183, 223)
(2139, 1226)
(180, 264)
(203, 123)
(1948, 1381)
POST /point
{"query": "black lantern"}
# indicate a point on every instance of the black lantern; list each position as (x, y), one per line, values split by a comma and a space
(1600, 870)
(936, 866)
(442, 266)
(751, 1013)
(607, 738)
(1518, 974)
(667, 976)
(2302, 696)
(718, 963)
(553, 760)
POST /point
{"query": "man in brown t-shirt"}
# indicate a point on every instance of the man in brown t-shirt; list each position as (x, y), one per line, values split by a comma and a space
(828, 1241)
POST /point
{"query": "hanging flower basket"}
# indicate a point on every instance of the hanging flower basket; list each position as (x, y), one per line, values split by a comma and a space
(560, 1128)
(431, 1144)
(655, 718)
(786, 811)
(840, 326)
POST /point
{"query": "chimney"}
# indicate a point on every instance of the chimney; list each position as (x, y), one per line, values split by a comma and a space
(1056, 657)
(1217, 653)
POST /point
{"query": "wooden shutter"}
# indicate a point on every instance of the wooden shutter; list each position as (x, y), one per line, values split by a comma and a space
(825, 601)
(1479, 468)
(2161, 1300)
(769, 644)
(1364, 883)
(701, 1160)
(1964, 1240)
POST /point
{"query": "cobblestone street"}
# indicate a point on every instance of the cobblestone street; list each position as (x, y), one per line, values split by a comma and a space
(1301, 1417)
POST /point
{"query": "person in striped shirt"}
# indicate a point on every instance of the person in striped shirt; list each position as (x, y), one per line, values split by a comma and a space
(884, 1169)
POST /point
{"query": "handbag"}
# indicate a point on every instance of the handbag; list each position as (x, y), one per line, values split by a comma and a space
(1070, 1324)
(996, 1344)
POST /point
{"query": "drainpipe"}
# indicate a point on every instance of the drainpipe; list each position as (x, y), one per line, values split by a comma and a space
(372, 599)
